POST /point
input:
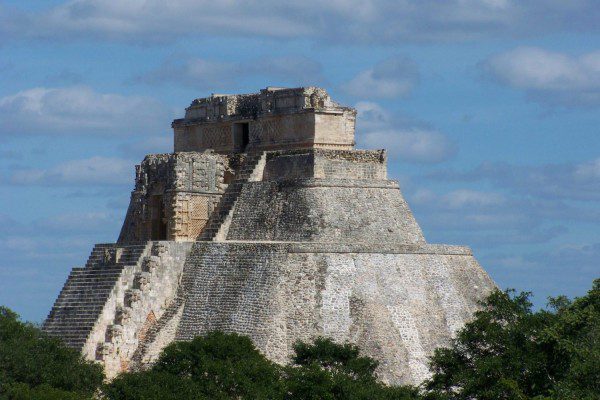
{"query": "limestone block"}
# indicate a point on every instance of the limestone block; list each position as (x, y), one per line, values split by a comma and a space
(132, 296)
(103, 350)
(142, 280)
(122, 315)
(150, 264)
(114, 333)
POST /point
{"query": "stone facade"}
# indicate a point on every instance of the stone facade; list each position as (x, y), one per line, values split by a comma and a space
(274, 118)
(174, 196)
(267, 222)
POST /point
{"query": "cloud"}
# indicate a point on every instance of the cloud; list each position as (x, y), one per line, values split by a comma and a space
(467, 209)
(567, 269)
(91, 171)
(201, 73)
(522, 205)
(489, 219)
(79, 110)
(148, 145)
(403, 138)
(549, 77)
(411, 144)
(339, 21)
(79, 222)
(394, 77)
(568, 181)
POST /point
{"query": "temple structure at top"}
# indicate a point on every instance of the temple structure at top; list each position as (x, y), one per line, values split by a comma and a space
(274, 118)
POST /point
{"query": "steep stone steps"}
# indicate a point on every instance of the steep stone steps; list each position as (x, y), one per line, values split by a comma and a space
(229, 198)
(86, 291)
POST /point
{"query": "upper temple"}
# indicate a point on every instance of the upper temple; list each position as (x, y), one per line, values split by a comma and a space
(274, 118)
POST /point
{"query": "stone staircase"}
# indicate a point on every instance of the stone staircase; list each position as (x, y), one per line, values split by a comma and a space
(250, 170)
(138, 357)
(86, 291)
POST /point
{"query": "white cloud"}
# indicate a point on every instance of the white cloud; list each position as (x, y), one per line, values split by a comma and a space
(80, 222)
(393, 77)
(410, 144)
(570, 181)
(79, 110)
(549, 77)
(588, 171)
(148, 145)
(472, 198)
(372, 116)
(369, 21)
(201, 73)
(403, 138)
(91, 171)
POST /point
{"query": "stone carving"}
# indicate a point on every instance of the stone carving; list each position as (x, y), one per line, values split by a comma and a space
(267, 222)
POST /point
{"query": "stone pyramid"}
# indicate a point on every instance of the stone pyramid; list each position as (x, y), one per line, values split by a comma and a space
(266, 221)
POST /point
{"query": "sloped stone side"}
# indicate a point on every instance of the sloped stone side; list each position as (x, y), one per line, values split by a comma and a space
(324, 210)
(397, 306)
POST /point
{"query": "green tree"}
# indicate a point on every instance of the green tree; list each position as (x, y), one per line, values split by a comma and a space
(35, 366)
(574, 339)
(326, 370)
(511, 352)
(228, 366)
(215, 366)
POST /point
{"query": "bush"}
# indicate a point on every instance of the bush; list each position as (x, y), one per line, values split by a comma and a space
(228, 366)
(510, 352)
(215, 366)
(35, 366)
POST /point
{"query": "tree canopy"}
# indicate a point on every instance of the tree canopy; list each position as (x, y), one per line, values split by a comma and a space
(508, 351)
(226, 366)
(511, 352)
(34, 366)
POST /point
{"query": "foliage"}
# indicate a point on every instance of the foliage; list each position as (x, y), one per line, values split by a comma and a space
(215, 366)
(508, 351)
(511, 352)
(34, 366)
(326, 370)
(226, 366)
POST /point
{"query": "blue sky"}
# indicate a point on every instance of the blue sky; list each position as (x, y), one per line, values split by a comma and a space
(490, 110)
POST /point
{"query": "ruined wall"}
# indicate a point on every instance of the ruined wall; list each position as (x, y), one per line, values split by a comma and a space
(272, 132)
(398, 303)
(174, 195)
(217, 136)
(323, 163)
(277, 119)
(324, 210)
(335, 131)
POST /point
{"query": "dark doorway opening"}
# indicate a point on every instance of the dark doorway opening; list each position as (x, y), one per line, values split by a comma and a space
(159, 221)
(241, 135)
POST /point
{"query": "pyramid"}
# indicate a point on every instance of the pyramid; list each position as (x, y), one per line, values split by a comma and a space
(266, 221)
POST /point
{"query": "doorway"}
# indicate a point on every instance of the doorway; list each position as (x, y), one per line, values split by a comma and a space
(241, 135)
(158, 218)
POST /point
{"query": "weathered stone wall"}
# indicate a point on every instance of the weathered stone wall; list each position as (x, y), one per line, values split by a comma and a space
(176, 193)
(277, 119)
(324, 210)
(322, 163)
(271, 132)
(335, 130)
(397, 303)
(217, 136)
